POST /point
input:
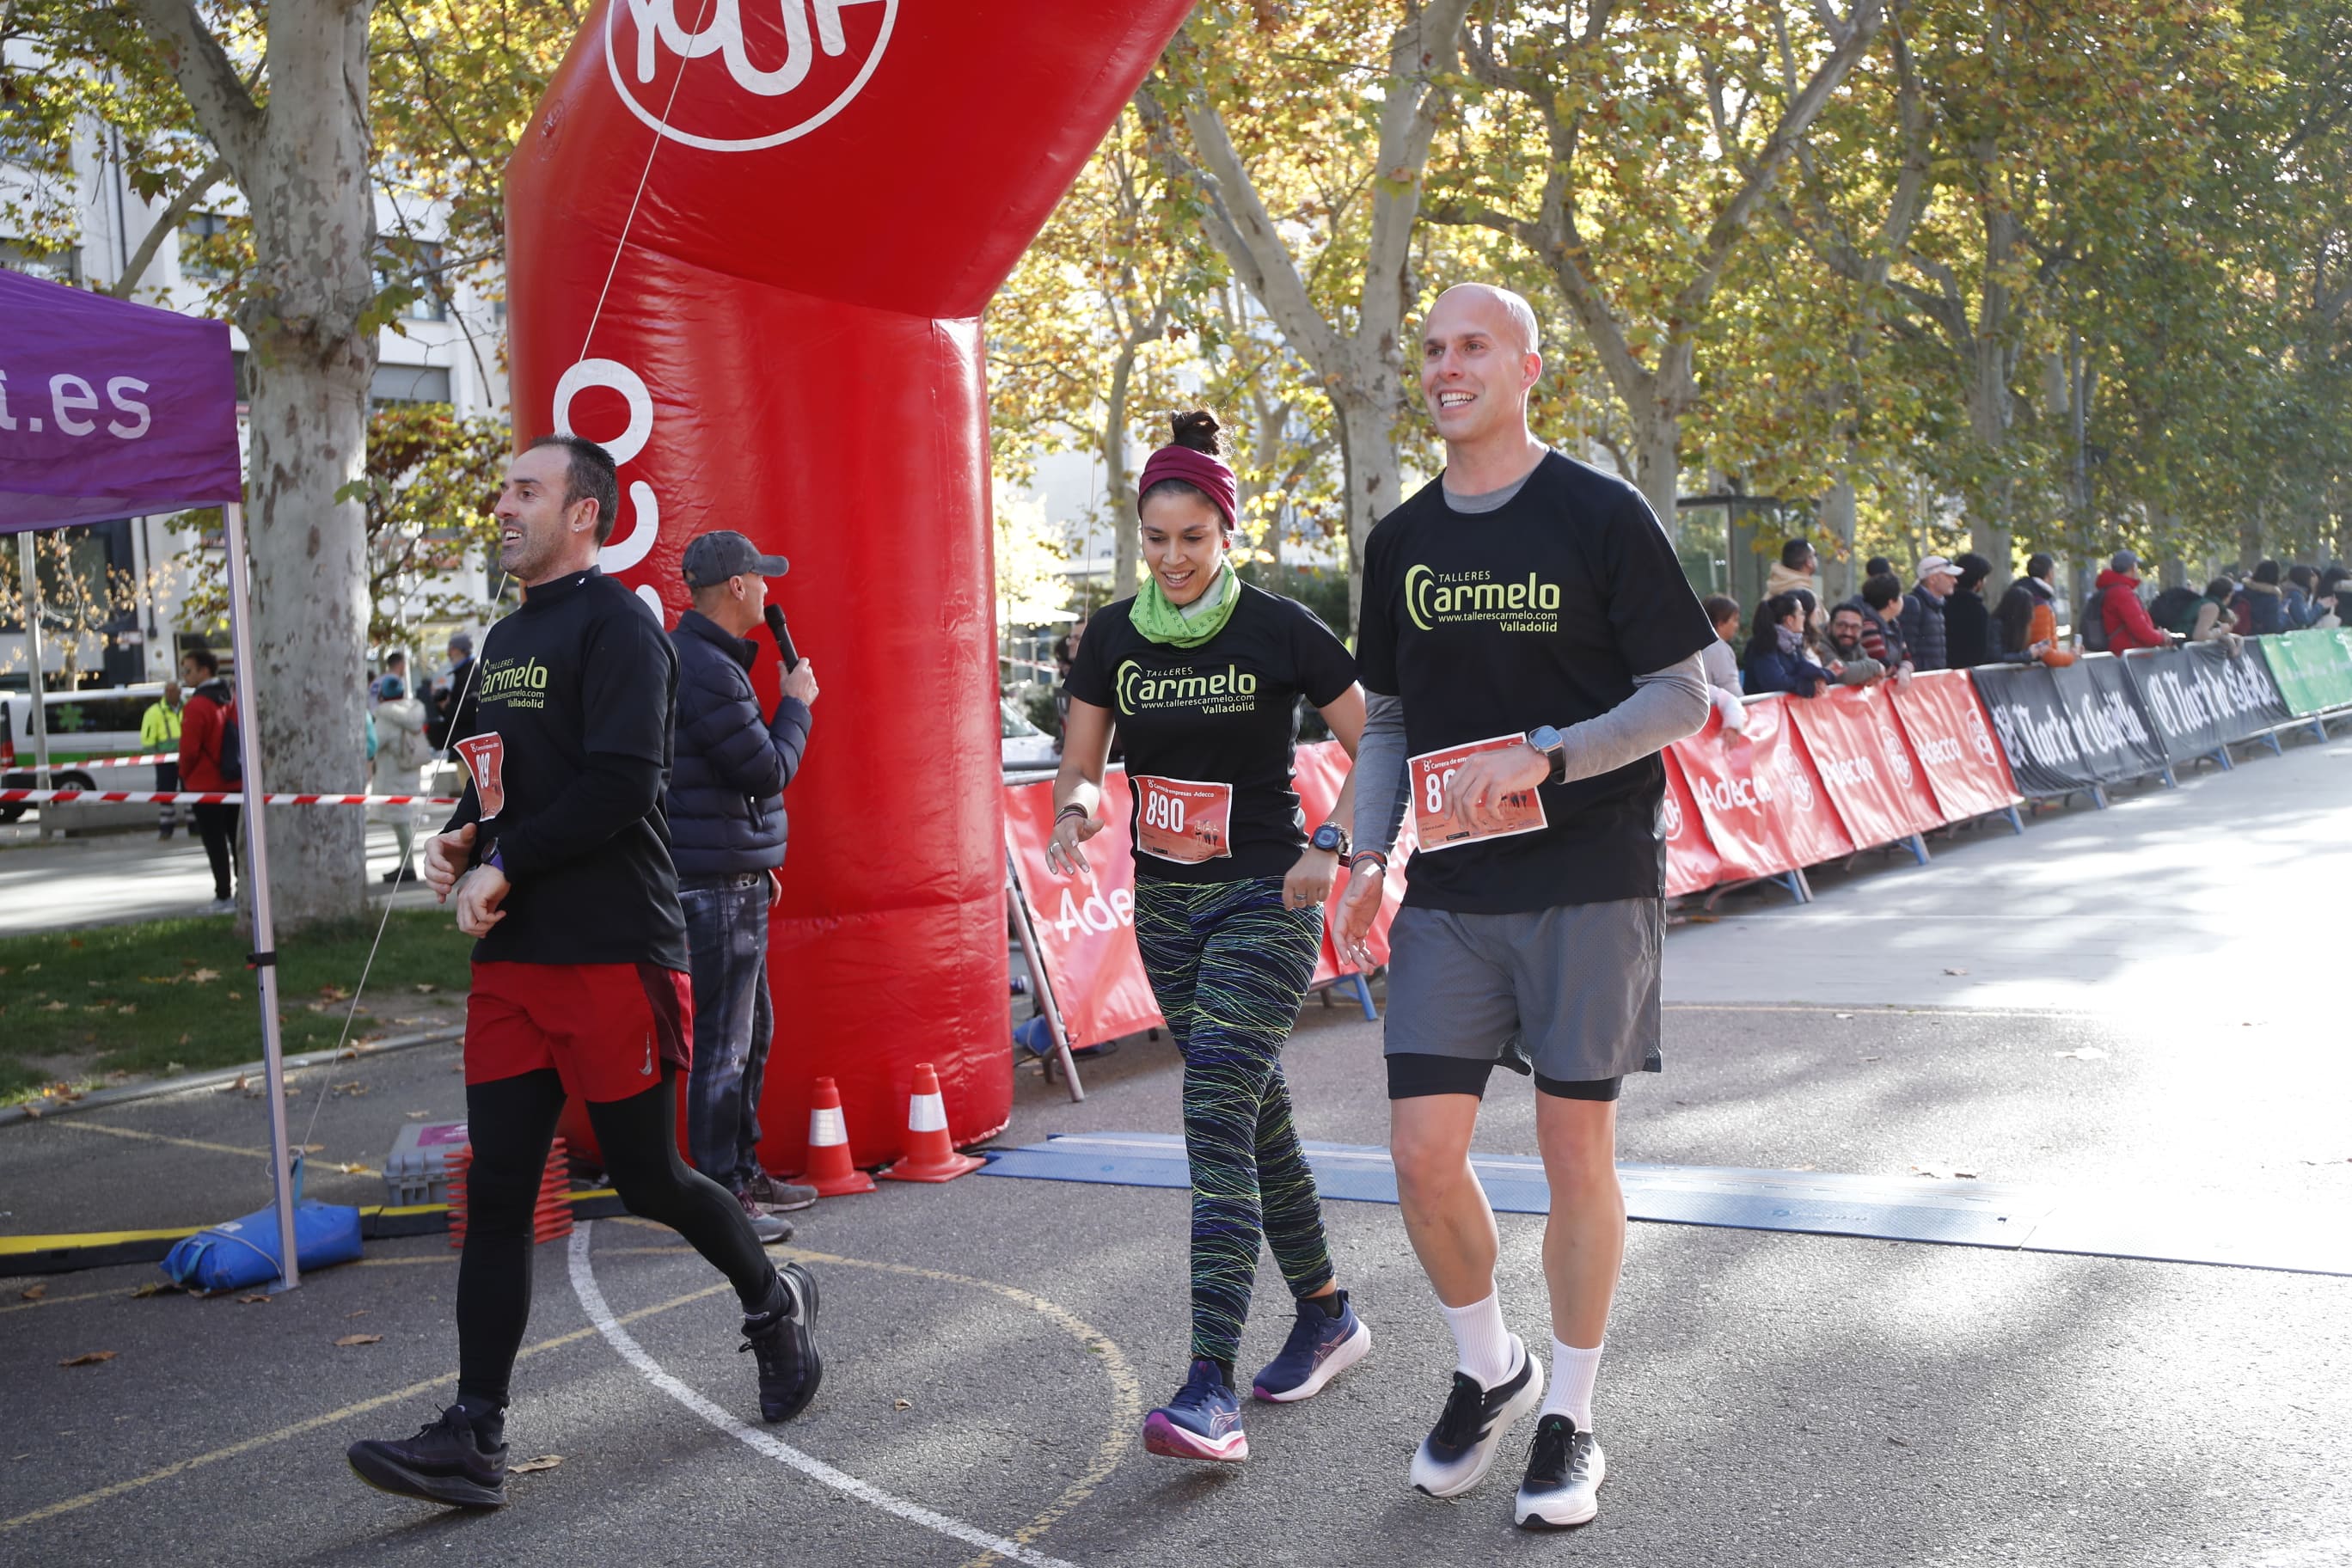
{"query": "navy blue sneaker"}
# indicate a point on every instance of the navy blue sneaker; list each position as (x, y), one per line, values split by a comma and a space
(1320, 1347)
(446, 1463)
(1202, 1422)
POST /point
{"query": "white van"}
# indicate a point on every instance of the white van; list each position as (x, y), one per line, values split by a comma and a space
(91, 722)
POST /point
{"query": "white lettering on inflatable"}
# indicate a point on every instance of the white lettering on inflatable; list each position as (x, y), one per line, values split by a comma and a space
(626, 550)
(657, 31)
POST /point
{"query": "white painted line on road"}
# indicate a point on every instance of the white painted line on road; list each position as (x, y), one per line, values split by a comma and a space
(592, 1301)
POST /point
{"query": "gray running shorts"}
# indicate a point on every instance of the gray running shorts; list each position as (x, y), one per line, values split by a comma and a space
(1573, 989)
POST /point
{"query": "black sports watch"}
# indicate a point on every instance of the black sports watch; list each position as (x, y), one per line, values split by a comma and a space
(1331, 839)
(1554, 746)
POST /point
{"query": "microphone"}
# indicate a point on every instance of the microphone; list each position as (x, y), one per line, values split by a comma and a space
(784, 638)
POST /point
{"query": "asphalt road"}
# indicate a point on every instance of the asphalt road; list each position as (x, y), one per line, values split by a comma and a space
(1767, 1398)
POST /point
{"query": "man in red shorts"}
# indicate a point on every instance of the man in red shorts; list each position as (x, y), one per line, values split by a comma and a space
(559, 857)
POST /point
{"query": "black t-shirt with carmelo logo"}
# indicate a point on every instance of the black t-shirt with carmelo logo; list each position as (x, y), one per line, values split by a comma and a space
(567, 766)
(1217, 723)
(1541, 612)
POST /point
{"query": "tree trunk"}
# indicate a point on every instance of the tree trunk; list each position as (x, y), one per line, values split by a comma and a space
(1118, 482)
(1658, 450)
(1987, 400)
(1372, 478)
(1839, 575)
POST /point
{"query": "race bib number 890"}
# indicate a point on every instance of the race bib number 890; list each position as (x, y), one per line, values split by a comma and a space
(1183, 820)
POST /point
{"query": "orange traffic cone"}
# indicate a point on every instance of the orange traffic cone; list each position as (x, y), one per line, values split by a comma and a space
(829, 1170)
(929, 1156)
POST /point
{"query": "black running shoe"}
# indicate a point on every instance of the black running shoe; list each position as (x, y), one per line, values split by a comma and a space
(1565, 1469)
(782, 1340)
(1459, 1451)
(443, 1463)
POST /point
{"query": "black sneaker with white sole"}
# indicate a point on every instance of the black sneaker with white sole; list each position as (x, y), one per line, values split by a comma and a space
(783, 1340)
(445, 1463)
(1562, 1486)
(1460, 1449)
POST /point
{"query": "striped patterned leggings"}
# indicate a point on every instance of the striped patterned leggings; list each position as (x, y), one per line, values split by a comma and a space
(1229, 965)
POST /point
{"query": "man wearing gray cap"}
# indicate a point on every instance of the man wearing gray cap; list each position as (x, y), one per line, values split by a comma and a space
(728, 828)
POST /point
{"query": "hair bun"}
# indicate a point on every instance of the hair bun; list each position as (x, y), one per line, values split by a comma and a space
(1198, 430)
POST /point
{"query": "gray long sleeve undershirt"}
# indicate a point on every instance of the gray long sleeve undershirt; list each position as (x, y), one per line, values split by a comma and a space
(1666, 705)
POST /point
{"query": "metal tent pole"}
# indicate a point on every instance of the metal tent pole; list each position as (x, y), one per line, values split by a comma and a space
(265, 930)
(28, 576)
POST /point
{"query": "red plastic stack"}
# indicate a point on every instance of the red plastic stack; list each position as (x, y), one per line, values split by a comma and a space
(550, 1216)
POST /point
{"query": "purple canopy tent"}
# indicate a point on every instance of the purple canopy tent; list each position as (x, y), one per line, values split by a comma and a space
(110, 409)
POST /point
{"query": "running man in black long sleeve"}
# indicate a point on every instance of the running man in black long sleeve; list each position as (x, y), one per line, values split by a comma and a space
(559, 857)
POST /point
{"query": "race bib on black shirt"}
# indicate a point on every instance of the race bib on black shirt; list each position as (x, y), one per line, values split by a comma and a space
(1212, 727)
(1539, 613)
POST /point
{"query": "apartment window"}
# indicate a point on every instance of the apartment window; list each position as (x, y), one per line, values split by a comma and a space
(209, 244)
(57, 266)
(418, 265)
(401, 385)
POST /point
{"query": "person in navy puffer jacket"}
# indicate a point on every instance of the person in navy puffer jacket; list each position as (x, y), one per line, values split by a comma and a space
(1776, 651)
(727, 824)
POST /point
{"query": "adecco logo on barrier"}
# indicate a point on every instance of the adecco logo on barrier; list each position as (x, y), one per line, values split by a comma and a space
(1898, 761)
(1670, 815)
(1792, 773)
(795, 65)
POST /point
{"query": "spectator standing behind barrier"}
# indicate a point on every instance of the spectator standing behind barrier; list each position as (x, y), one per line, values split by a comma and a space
(395, 675)
(456, 704)
(1720, 660)
(1849, 661)
(1879, 603)
(402, 753)
(1776, 657)
(159, 730)
(1799, 572)
(2260, 607)
(203, 724)
(2301, 591)
(2027, 614)
(1967, 621)
(728, 832)
(2122, 616)
(1922, 620)
(1877, 567)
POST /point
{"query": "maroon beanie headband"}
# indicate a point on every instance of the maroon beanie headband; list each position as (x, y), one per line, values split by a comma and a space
(1197, 468)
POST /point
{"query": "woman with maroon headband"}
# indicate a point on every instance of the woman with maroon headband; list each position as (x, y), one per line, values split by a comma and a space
(1202, 675)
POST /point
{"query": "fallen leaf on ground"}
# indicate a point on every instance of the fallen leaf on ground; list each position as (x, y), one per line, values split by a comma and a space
(255, 1300)
(352, 1088)
(361, 1340)
(1964, 1175)
(528, 1466)
(902, 1405)
(203, 976)
(427, 987)
(1845, 1015)
(1930, 1172)
(2081, 1054)
(54, 1007)
(87, 1358)
(33, 1111)
(1898, 1442)
(1873, 1058)
(33, 1292)
(361, 1313)
(154, 1288)
(1703, 919)
(334, 992)
(352, 1168)
(1955, 971)
(234, 995)
(418, 1115)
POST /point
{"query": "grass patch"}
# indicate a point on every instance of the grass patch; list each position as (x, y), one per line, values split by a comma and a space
(162, 997)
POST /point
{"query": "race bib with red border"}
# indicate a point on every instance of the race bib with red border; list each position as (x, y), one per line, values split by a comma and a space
(1183, 820)
(1432, 775)
(486, 756)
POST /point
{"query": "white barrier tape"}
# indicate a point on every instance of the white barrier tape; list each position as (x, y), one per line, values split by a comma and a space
(147, 760)
(210, 798)
(927, 1113)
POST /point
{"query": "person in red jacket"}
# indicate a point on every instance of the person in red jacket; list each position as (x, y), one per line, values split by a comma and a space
(2127, 618)
(204, 723)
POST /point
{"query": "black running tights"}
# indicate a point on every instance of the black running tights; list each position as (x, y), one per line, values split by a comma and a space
(512, 1122)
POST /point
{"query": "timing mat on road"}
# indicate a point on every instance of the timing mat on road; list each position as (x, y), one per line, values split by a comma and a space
(1948, 1212)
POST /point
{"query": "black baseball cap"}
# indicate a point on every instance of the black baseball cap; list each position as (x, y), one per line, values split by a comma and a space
(714, 557)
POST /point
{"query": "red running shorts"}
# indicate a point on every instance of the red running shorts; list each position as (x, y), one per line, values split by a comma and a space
(609, 1030)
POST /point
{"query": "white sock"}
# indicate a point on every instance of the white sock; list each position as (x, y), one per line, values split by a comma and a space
(1482, 1346)
(1572, 1372)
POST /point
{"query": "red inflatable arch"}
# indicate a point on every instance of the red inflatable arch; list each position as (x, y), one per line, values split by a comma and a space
(818, 198)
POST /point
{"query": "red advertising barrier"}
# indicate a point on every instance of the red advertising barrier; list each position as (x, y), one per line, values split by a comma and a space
(1086, 932)
(1692, 864)
(1945, 720)
(1876, 786)
(1759, 796)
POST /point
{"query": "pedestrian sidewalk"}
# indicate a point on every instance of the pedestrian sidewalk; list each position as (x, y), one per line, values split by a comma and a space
(57, 885)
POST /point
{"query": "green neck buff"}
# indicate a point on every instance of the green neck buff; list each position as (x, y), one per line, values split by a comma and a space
(1162, 622)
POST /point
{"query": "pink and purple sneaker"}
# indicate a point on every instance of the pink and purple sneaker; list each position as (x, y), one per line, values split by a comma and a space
(1202, 1422)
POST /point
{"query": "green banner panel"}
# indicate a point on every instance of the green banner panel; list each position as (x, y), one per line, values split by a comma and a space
(2313, 669)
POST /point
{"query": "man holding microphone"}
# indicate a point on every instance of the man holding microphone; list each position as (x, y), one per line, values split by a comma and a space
(728, 830)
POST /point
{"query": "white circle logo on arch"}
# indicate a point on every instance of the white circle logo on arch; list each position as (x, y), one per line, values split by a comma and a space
(794, 64)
